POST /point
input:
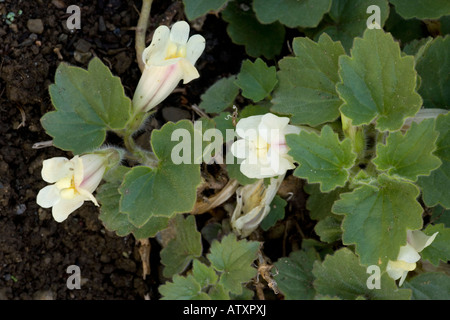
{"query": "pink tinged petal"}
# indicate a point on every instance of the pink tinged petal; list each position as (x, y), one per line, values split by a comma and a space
(408, 254)
(94, 168)
(180, 32)
(155, 85)
(419, 240)
(194, 48)
(55, 169)
(189, 71)
(156, 51)
(78, 170)
(64, 207)
(48, 196)
(167, 83)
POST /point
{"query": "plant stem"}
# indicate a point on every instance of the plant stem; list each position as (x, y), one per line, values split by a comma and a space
(141, 28)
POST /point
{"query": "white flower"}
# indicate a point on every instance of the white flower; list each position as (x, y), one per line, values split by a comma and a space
(409, 255)
(253, 205)
(73, 180)
(263, 145)
(169, 58)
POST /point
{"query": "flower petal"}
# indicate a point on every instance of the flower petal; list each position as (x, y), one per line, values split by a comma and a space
(55, 169)
(241, 148)
(189, 71)
(78, 170)
(194, 48)
(419, 240)
(180, 32)
(408, 254)
(156, 51)
(256, 170)
(272, 127)
(247, 128)
(48, 196)
(64, 207)
(94, 167)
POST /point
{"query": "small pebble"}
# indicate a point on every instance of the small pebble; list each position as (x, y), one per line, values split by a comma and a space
(35, 26)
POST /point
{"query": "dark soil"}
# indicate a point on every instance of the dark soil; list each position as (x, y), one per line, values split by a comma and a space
(35, 251)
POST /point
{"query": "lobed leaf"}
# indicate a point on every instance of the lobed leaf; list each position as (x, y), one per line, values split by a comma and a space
(295, 278)
(186, 246)
(436, 186)
(88, 103)
(411, 154)
(244, 29)
(433, 66)
(256, 79)
(220, 95)
(350, 19)
(378, 83)
(322, 158)
(292, 13)
(341, 275)
(439, 249)
(306, 90)
(422, 9)
(233, 259)
(166, 190)
(377, 217)
(429, 286)
(197, 8)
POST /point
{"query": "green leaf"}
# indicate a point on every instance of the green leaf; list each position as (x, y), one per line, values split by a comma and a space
(182, 288)
(433, 66)
(234, 172)
(404, 30)
(276, 213)
(186, 246)
(254, 110)
(378, 83)
(429, 286)
(217, 292)
(409, 155)
(306, 90)
(341, 275)
(329, 229)
(148, 192)
(322, 158)
(219, 96)
(292, 13)
(197, 8)
(256, 79)
(244, 29)
(422, 9)
(109, 197)
(88, 103)
(319, 204)
(439, 249)
(295, 276)
(436, 186)
(205, 275)
(350, 19)
(441, 215)
(233, 259)
(377, 217)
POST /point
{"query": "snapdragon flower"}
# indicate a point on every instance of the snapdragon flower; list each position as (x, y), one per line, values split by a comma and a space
(253, 205)
(169, 58)
(73, 182)
(263, 145)
(409, 255)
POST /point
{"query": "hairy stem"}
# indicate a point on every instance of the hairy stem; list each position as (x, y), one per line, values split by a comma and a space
(140, 31)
